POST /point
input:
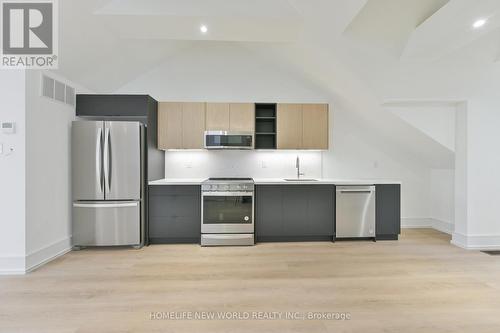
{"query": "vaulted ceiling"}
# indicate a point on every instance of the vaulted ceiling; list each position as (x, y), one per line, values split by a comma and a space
(105, 43)
(362, 51)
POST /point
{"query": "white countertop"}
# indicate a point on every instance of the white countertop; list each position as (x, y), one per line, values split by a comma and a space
(178, 181)
(279, 181)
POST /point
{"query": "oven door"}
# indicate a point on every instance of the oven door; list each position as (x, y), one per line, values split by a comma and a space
(227, 212)
(228, 140)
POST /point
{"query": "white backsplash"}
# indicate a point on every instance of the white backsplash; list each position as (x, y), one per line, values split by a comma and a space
(239, 163)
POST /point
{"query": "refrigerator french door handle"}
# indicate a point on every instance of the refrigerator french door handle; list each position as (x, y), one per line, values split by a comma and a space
(98, 160)
(107, 180)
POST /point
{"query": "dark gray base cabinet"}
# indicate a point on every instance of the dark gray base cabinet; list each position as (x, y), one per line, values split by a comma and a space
(388, 211)
(174, 214)
(282, 213)
(294, 212)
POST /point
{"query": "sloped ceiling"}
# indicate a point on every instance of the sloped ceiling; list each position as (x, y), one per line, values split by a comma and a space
(105, 43)
(451, 28)
(361, 51)
(386, 25)
(236, 20)
(94, 56)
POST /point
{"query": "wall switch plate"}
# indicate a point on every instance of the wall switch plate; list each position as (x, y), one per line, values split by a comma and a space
(8, 127)
(1, 148)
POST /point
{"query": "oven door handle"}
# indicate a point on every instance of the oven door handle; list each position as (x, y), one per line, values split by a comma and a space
(227, 194)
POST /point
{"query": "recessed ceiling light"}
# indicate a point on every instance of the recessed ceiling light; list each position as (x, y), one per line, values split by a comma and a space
(479, 23)
(203, 29)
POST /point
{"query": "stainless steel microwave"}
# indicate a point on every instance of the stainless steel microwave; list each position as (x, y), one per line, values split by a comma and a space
(228, 140)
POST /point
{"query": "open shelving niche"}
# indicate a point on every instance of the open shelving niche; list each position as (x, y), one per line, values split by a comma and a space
(265, 126)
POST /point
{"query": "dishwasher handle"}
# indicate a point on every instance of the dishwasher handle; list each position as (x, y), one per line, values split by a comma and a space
(356, 189)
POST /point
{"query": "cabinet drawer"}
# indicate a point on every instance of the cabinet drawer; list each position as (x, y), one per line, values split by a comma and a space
(174, 213)
(173, 205)
(175, 227)
(159, 190)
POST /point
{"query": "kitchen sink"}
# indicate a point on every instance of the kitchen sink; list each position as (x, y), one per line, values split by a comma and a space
(300, 180)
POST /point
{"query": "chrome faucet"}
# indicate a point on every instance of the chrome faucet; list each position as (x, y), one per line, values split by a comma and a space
(297, 166)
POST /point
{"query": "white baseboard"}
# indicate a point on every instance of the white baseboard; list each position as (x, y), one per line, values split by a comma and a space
(12, 265)
(443, 226)
(48, 253)
(476, 242)
(469, 242)
(425, 222)
(415, 222)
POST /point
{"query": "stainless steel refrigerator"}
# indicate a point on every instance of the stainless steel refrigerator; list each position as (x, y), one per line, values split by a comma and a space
(108, 183)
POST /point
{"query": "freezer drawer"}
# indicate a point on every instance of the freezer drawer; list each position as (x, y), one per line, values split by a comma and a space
(106, 223)
(355, 211)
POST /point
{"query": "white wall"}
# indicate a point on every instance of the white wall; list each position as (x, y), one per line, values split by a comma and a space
(477, 177)
(36, 186)
(477, 160)
(225, 72)
(222, 72)
(482, 174)
(461, 175)
(442, 199)
(12, 173)
(438, 122)
(48, 178)
(356, 152)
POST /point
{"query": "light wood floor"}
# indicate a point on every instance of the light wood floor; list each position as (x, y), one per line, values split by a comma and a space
(418, 284)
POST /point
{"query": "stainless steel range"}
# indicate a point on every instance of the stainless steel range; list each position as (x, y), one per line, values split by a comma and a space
(227, 211)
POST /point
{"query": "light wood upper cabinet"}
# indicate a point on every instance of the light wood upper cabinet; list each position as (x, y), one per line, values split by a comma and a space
(302, 126)
(315, 126)
(181, 125)
(242, 117)
(169, 125)
(193, 125)
(289, 126)
(217, 117)
(230, 117)
(298, 126)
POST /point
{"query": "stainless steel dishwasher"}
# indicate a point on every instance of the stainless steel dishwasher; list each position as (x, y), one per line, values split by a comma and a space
(355, 212)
